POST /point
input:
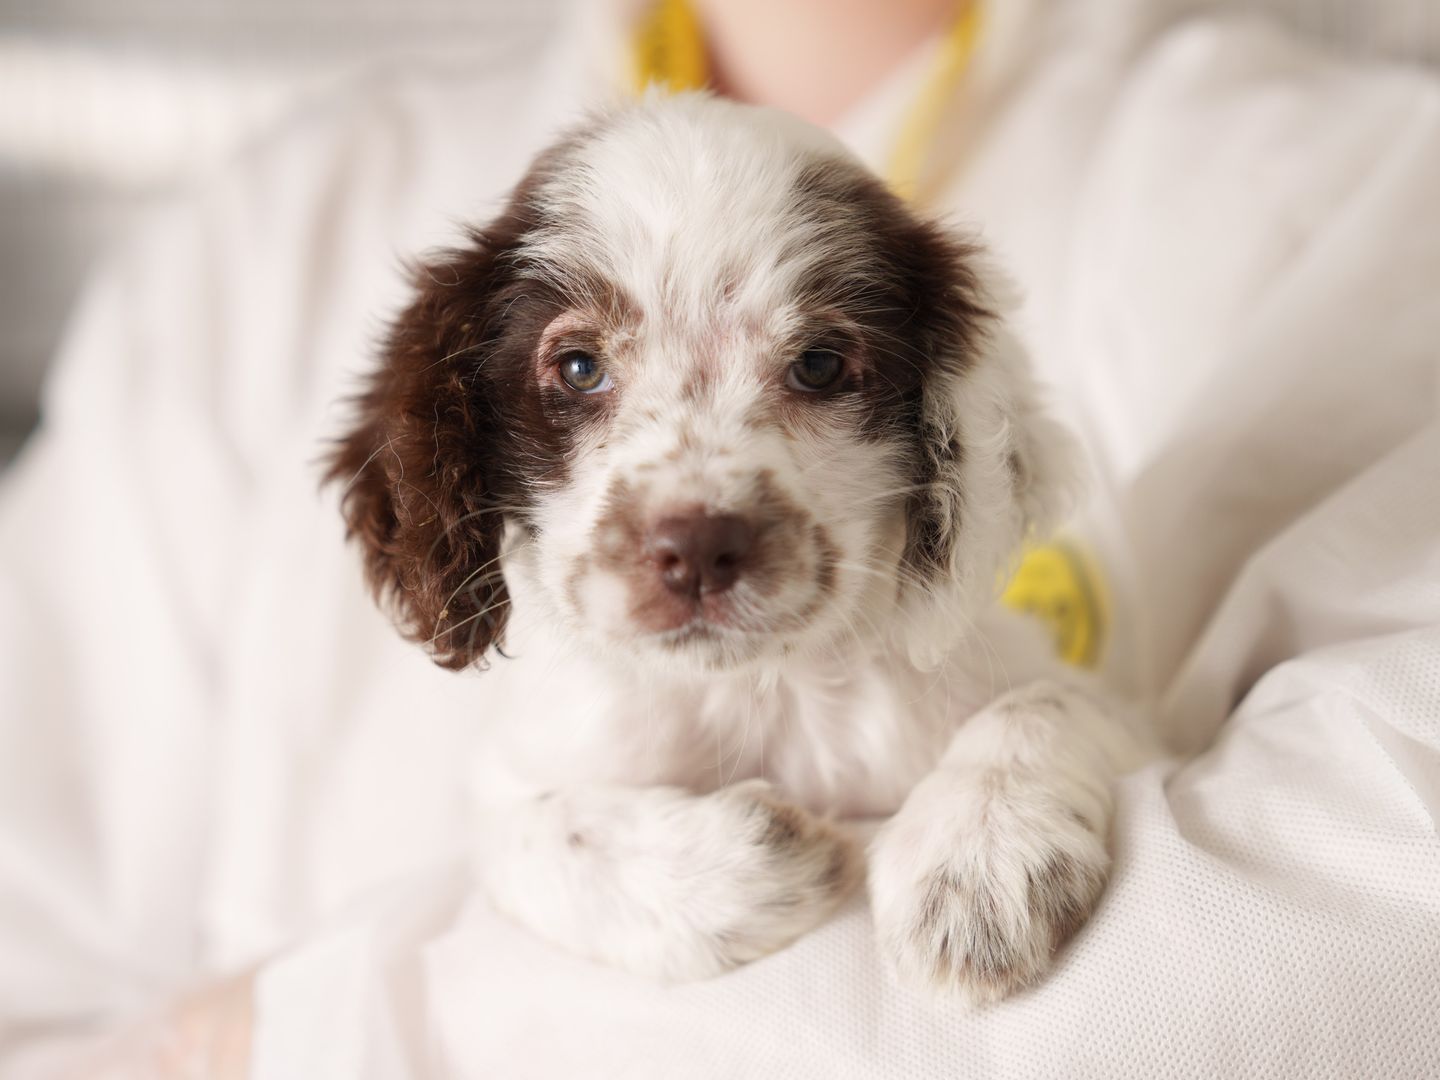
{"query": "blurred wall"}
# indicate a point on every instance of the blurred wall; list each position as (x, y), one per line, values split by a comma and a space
(105, 103)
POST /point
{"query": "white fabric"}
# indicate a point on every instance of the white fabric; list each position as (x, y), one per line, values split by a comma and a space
(213, 749)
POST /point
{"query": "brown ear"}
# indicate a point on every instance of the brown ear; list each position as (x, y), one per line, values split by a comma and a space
(424, 487)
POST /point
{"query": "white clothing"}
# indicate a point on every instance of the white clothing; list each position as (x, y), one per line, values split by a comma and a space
(213, 748)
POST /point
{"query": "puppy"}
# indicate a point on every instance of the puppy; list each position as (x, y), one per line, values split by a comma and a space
(713, 455)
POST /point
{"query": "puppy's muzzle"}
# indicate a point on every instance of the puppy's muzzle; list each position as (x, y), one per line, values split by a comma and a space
(697, 554)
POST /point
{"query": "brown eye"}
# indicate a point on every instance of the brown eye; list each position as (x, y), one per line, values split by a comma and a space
(583, 372)
(817, 369)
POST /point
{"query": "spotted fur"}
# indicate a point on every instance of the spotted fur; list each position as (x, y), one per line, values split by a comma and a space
(689, 252)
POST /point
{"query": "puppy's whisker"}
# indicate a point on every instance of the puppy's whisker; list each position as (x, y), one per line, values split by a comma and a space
(899, 574)
(388, 444)
(451, 528)
(445, 607)
(469, 619)
(455, 355)
(744, 741)
(893, 493)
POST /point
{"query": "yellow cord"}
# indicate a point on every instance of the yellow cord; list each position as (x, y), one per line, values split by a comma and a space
(923, 121)
(668, 49)
(1056, 582)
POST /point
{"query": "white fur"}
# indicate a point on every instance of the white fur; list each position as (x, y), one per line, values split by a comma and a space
(675, 811)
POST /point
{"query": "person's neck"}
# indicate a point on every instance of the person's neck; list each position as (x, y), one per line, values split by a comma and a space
(813, 58)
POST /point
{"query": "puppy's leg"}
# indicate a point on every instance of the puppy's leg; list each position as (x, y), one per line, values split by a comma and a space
(997, 856)
(663, 882)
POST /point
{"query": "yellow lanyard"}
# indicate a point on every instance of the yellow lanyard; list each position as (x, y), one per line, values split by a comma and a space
(1057, 582)
(668, 50)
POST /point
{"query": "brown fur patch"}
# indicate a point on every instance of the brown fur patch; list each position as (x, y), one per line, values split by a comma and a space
(785, 826)
(460, 427)
(1062, 894)
(909, 290)
(453, 433)
(778, 555)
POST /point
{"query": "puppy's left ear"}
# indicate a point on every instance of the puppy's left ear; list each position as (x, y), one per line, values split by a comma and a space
(424, 481)
(1001, 470)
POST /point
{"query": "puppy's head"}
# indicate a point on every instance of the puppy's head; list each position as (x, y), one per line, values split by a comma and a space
(705, 391)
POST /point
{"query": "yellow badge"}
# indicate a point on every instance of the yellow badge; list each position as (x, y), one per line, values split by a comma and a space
(917, 131)
(1056, 582)
(668, 49)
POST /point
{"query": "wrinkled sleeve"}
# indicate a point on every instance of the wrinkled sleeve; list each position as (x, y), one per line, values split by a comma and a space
(115, 526)
(1251, 314)
(183, 385)
(184, 636)
(1254, 349)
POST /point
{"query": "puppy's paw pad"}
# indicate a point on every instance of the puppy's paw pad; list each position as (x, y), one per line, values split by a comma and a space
(984, 927)
(969, 934)
(816, 853)
(792, 845)
(787, 873)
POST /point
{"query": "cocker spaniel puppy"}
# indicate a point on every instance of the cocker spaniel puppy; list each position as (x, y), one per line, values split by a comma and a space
(713, 455)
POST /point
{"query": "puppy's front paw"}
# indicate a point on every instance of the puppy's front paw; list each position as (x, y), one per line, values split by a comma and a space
(974, 897)
(781, 873)
(665, 883)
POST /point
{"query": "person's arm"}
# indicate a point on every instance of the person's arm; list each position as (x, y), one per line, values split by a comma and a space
(1251, 315)
(814, 59)
(195, 364)
(116, 529)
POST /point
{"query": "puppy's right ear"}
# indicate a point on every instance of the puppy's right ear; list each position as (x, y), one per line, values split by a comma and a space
(424, 490)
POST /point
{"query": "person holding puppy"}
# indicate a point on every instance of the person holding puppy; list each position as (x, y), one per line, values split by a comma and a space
(1225, 239)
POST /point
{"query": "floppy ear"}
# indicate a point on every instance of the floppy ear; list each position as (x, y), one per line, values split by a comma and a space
(424, 485)
(999, 470)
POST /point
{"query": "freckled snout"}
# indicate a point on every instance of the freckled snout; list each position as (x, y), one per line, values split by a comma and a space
(699, 553)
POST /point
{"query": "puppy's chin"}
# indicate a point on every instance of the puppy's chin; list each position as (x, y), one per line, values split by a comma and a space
(701, 646)
(704, 644)
(697, 647)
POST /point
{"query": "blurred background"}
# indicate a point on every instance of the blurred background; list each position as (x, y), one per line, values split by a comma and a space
(107, 104)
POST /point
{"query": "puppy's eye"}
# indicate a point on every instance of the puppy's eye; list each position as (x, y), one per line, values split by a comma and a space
(817, 369)
(583, 372)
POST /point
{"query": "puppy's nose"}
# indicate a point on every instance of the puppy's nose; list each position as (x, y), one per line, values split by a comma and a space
(700, 553)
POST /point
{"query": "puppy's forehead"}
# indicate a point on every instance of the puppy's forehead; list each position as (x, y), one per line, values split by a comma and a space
(698, 200)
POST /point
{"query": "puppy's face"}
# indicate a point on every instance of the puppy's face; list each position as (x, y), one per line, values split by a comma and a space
(706, 391)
